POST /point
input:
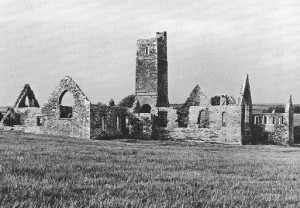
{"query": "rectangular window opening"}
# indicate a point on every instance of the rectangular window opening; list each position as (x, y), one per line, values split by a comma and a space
(38, 121)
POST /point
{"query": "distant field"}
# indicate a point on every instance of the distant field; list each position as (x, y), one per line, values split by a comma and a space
(258, 108)
(39, 171)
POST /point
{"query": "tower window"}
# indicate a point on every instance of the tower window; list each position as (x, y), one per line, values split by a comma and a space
(147, 51)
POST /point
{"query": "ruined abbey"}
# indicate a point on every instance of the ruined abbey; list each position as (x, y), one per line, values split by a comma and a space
(225, 120)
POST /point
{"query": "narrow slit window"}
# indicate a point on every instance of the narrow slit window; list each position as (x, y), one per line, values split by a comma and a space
(103, 123)
(38, 121)
(127, 122)
(265, 120)
(272, 120)
(223, 119)
(118, 123)
(247, 114)
(256, 120)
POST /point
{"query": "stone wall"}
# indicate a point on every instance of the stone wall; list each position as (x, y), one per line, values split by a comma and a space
(245, 103)
(31, 119)
(162, 65)
(223, 125)
(28, 115)
(108, 122)
(79, 124)
(271, 128)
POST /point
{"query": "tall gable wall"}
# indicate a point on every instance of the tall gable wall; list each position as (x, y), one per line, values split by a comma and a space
(79, 124)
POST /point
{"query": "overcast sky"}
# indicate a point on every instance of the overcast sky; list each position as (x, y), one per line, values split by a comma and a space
(213, 43)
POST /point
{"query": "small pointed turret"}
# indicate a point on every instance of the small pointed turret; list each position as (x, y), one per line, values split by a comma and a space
(289, 105)
(245, 93)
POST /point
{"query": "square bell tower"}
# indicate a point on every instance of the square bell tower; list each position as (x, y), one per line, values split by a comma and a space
(151, 86)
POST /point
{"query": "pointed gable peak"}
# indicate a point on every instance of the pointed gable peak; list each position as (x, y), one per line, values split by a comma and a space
(290, 100)
(246, 82)
(196, 89)
(196, 98)
(245, 93)
(26, 92)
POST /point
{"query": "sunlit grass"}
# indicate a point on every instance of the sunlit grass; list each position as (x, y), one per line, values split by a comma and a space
(40, 171)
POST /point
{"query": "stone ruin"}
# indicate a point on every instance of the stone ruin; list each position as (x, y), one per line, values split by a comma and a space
(224, 120)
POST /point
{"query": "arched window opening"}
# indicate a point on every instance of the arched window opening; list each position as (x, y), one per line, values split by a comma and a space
(224, 119)
(203, 119)
(281, 120)
(256, 120)
(27, 104)
(66, 102)
(145, 109)
(264, 120)
(272, 120)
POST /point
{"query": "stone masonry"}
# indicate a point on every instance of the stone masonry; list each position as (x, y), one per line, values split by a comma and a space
(219, 120)
(152, 71)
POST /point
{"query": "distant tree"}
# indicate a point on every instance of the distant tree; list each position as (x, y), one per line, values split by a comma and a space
(111, 102)
(127, 102)
(215, 100)
(101, 104)
(277, 109)
(296, 109)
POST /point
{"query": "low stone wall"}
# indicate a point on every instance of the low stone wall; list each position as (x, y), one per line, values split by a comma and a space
(28, 116)
(29, 120)
(220, 129)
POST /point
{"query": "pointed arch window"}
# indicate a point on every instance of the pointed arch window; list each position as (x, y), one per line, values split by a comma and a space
(66, 102)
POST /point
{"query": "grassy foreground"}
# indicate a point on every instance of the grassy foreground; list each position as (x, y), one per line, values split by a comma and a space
(40, 171)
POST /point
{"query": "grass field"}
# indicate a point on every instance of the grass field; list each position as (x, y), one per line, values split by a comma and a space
(40, 171)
